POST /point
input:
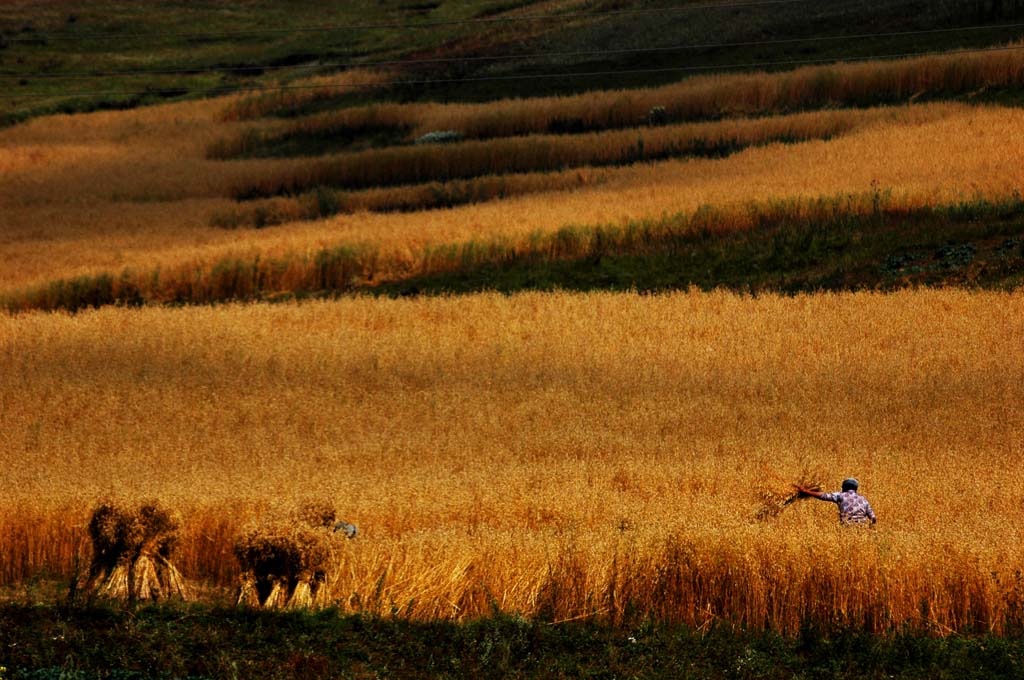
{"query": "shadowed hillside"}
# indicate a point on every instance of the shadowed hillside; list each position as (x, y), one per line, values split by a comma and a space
(55, 54)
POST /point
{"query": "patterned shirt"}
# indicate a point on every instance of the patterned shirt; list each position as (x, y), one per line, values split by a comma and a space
(853, 508)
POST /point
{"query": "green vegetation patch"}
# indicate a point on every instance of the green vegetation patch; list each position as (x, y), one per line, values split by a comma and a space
(202, 641)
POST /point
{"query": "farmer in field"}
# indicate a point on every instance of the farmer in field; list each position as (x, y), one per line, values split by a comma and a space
(854, 509)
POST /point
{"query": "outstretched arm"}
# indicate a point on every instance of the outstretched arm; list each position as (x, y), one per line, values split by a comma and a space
(809, 492)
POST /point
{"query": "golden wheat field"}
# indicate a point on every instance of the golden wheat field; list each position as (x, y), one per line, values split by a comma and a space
(561, 455)
(565, 456)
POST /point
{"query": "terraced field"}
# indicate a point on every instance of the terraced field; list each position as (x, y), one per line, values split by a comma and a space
(139, 219)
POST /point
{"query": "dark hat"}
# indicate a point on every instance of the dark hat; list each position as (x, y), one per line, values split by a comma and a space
(850, 484)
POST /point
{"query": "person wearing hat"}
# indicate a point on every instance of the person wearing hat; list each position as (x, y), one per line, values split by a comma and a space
(854, 509)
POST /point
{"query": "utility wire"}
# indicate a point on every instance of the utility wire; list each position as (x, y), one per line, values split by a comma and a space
(425, 24)
(197, 70)
(535, 76)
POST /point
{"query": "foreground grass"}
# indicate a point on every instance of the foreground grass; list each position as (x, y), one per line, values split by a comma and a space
(211, 642)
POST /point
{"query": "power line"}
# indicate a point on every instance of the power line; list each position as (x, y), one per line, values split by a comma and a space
(535, 76)
(198, 70)
(425, 24)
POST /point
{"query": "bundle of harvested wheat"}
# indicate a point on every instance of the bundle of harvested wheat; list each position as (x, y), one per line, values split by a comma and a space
(285, 563)
(132, 547)
(775, 500)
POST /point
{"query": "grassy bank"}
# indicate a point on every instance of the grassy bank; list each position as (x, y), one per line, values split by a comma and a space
(208, 642)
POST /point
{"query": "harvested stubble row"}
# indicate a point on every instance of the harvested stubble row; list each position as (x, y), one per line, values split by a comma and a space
(558, 455)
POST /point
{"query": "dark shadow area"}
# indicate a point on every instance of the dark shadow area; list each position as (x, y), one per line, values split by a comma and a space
(200, 641)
